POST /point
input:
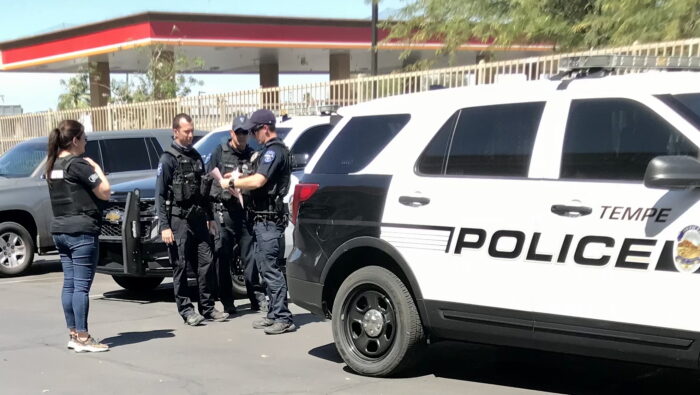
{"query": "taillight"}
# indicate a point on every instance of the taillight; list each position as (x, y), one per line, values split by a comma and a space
(302, 192)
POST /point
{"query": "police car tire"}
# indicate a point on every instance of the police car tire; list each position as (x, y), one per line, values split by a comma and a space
(408, 341)
(26, 239)
(138, 283)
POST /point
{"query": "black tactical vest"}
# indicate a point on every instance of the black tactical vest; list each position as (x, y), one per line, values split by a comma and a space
(69, 198)
(187, 178)
(268, 198)
(231, 161)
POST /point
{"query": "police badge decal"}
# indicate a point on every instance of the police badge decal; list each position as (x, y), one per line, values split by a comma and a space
(687, 246)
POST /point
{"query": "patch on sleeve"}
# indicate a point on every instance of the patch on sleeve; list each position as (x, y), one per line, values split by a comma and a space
(269, 156)
(160, 169)
(93, 177)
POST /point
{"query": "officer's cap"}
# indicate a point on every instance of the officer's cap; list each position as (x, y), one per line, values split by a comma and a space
(239, 123)
(258, 118)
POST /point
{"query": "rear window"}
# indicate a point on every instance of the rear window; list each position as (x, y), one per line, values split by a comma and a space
(359, 142)
(129, 154)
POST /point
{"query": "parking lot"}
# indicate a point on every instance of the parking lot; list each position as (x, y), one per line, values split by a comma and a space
(154, 352)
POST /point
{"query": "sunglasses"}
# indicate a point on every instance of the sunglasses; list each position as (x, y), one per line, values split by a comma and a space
(241, 132)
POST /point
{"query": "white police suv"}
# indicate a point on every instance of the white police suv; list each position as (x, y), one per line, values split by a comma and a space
(560, 215)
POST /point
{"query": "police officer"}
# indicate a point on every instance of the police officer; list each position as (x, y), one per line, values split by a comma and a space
(185, 221)
(235, 228)
(267, 186)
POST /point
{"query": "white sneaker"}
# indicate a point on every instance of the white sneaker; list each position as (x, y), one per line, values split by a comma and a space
(89, 345)
(71, 342)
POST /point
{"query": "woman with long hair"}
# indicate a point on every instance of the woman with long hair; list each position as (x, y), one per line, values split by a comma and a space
(77, 187)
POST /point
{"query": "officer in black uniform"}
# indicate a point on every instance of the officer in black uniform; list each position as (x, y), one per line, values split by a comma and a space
(185, 221)
(268, 186)
(235, 228)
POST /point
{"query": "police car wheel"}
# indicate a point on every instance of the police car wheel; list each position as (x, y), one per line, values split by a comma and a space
(376, 325)
(238, 280)
(138, 283)
(16, 249)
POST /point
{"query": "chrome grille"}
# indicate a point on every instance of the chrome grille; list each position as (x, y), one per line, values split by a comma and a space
(114, 230)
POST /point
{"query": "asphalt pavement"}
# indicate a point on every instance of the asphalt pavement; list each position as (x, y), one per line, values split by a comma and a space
(153, 352)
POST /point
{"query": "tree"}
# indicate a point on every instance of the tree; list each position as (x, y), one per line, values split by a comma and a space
(567, 24)
(162, 79)
(77, 92)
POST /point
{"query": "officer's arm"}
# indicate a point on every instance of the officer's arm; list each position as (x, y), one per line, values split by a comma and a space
(255, 181)
(163, 181)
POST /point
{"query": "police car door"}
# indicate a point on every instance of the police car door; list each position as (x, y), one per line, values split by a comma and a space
(608, 249)
(456, 213)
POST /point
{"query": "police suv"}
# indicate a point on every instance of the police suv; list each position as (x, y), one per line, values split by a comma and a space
(559, 215)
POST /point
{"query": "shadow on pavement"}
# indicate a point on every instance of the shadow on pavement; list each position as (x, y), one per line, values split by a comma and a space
(539, 371)
(306, 318)
(161, 294)
(552, 372)
(327, 352)
(126, 338)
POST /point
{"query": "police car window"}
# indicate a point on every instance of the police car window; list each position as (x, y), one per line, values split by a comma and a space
(311, 139)
(281, 133)
(125, 155)
(614, 139)
(433, 158)
(359, 142)
(494, 140)
(206, 146)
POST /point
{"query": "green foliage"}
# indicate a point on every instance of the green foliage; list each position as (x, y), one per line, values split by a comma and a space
(162, 79)
(77, 93)
(568, 24)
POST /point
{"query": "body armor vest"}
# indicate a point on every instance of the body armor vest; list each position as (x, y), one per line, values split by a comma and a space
(187, 178)
(269, 197)
(230, 162)
(70, 198)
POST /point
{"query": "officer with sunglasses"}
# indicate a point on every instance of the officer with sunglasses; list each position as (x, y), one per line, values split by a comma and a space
(268, 186)
(235, 155)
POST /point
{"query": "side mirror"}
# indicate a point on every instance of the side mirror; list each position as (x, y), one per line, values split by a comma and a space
(299, 161)
(673, 172)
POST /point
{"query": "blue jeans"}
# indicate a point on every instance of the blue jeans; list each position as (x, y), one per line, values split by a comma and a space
(267, 252)
(79, 260)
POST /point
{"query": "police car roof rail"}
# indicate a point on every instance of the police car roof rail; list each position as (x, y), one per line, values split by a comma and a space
(596, 66)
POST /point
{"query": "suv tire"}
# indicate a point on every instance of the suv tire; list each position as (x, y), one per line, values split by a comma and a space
(376, 325)
(16, 249)
(138, 283)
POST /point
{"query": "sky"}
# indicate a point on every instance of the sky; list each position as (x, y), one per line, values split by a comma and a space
(40, 91)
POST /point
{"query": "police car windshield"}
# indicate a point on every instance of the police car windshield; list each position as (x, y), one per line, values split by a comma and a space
(22, 159)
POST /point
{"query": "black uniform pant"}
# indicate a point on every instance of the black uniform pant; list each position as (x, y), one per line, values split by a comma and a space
(268, 237)
(192, 248)
(236, 230)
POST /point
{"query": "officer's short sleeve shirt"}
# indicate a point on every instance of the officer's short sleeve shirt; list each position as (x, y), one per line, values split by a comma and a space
(80, 171)
(272, 158)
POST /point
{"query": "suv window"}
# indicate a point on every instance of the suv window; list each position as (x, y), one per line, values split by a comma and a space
(614, 139)
(22, 159)
(359, 142)
(433, 158)
(494, 140)
(128, 154)
(92, 151)
(311, 139)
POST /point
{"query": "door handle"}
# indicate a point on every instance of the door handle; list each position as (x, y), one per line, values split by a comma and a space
(413, 201)
(571, 211)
